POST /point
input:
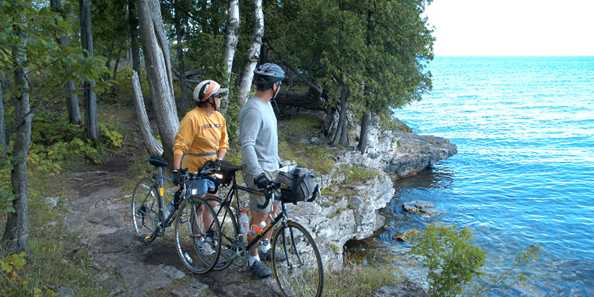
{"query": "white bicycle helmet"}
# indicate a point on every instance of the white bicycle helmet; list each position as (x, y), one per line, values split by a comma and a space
(206, 89)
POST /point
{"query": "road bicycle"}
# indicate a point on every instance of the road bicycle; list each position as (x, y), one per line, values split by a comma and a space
(197, 229)
(296, 262)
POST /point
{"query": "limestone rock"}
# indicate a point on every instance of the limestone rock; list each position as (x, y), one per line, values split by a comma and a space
(336, 220)
(400, 153)
(420, 207)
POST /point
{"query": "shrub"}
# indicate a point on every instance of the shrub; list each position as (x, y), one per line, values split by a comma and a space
(451, 258)
(55, 141)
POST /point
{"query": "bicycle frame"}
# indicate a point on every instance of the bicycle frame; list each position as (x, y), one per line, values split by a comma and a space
(234, 191)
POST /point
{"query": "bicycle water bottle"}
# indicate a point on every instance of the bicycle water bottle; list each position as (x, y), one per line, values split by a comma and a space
(256, 229)
(244, 224)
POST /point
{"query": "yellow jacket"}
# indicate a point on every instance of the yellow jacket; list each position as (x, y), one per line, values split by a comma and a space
(200, 137)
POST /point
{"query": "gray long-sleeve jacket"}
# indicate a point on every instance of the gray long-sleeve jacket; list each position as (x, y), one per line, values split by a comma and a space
(258, 137)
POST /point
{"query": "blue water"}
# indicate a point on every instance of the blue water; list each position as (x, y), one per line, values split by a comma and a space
(524, 172)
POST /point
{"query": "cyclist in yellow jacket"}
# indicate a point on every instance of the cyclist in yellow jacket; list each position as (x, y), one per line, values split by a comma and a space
(202, 137)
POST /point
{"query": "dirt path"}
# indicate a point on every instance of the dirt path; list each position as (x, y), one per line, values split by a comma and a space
(126, 267)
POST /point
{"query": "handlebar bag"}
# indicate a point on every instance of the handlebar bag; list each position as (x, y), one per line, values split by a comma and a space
(298, 185)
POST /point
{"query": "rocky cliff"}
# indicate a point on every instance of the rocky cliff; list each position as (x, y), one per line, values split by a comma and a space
(361, 184)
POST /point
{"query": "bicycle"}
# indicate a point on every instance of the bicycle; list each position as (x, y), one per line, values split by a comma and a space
(197, 245)
(296, 261)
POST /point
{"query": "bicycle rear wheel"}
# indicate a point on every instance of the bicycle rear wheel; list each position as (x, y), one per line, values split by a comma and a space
(145, 209)
(296, 262)
(197, 235)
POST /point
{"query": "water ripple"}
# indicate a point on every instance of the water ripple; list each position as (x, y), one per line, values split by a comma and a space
(525, 169)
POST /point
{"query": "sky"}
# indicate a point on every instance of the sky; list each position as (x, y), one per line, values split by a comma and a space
(513, 27)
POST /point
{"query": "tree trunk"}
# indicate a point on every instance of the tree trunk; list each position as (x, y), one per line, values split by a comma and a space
(133, 31)
(3, 148)
(157, 63)
(341, 134)
(153, 146)
(253, 53)
(117, 64)
(17, 224)
(72, 101)
(186, 96)
(86, 38)
(363, 137)
(231, 39)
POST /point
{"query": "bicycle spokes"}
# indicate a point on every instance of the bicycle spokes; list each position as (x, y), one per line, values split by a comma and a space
(296, 262)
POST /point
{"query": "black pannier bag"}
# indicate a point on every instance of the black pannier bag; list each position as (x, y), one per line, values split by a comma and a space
(298, 185)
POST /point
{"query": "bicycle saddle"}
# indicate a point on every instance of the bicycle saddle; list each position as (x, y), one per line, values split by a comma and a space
(157, 161)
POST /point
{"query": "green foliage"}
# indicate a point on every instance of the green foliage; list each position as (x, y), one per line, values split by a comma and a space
(112, 137)
(6, 194)
(377, 50)
(55, 142)
(451, 258)
(359, 280)
(389, 122)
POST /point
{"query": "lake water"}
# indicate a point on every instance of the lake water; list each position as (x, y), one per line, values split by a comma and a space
(524, 172)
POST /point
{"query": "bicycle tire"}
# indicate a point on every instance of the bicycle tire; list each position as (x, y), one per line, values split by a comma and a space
(300, 273)
(200, 249)
(229, 236)
(145, 209)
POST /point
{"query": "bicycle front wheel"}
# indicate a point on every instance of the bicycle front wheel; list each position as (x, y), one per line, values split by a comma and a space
(197, 235)
(296, 262)
(145, 209)
(230, 245)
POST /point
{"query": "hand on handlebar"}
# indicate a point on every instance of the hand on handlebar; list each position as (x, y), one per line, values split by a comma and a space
(262, 181)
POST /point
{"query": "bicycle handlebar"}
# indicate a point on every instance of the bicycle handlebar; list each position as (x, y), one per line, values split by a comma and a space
(268, 193)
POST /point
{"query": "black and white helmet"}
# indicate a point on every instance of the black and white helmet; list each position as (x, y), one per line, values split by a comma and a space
(268, 74)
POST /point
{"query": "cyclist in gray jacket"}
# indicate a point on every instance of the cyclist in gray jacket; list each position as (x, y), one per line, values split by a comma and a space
(258, 137)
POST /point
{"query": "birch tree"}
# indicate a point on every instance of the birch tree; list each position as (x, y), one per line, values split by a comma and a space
(158, 68)
(86, 39)
(231, 39)
(253, 53)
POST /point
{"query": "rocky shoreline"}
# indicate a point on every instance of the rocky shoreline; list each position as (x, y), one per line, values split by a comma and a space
(354, 214)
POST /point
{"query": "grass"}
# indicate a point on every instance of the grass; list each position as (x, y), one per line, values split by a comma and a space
(292, 132)
(316, 157)
(359, 281)
(353, 175)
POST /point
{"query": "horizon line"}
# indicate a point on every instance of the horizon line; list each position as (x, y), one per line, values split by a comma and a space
(513, 56)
